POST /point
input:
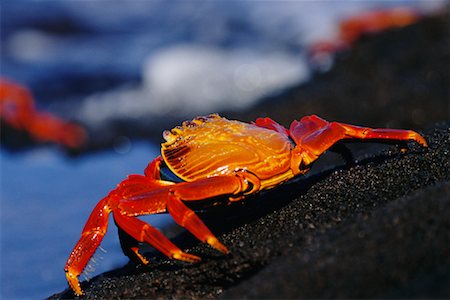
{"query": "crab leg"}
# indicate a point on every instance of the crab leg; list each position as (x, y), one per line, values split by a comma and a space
(142, 195)
(187, 218)
(171, 197)
(143, 232)
(152, 171)
(201, 189)
(130, 246)
(97, 223)
(131, 188)
(315, 135)
(91, 237)
(383, 134)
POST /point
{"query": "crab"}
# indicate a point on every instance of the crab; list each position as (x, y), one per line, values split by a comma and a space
(18, 110)
(212, 156)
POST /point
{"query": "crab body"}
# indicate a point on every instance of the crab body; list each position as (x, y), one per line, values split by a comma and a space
(212, 156)
(214, 146)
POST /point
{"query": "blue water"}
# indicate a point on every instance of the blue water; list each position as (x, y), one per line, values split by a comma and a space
(45, 200)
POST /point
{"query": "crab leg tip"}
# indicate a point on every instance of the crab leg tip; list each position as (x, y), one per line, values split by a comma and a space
(186, 257)
(217, 245)
(423, 142)
(418, 138)
(142, 258)
(74, 283)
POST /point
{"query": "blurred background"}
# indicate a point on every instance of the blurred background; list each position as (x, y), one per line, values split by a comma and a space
(123, 71)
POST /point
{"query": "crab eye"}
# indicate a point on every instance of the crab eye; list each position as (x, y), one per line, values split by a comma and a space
(168, 136)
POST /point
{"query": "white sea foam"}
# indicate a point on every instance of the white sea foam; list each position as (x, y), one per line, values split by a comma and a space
(202, 79)
(193, 79)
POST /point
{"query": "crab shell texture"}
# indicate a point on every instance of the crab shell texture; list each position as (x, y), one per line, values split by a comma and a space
(212, 146)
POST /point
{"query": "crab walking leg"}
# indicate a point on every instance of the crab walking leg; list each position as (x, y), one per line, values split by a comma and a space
(143, 195)
(130, 246)
(188, 219)
(202, 189)
(152, 171)
(316, 135)
(383, 134)
(91, 237)
(143, 232)
(169, 197)
(131, 191)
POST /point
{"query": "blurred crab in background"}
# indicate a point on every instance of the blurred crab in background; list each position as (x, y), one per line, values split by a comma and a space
(17, 109)
(351, 29)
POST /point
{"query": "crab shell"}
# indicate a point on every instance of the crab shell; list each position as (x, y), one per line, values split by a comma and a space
(212, 146)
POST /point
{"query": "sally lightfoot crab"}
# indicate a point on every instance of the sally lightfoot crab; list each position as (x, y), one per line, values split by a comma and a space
(213, 157)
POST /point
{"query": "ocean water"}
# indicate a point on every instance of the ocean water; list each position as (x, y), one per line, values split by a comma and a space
(103, 61)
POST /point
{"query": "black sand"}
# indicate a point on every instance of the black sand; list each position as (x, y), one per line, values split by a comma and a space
(375, 229)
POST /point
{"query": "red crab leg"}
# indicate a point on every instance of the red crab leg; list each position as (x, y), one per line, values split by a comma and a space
(135, 188)
(152, 171)
(188, 219)
(141, 196)
(315, 135)
(91, 237)
(268, 123)
(131, 188)
(172, 195)
(143, 232)
(130, 245)
(201, 189)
